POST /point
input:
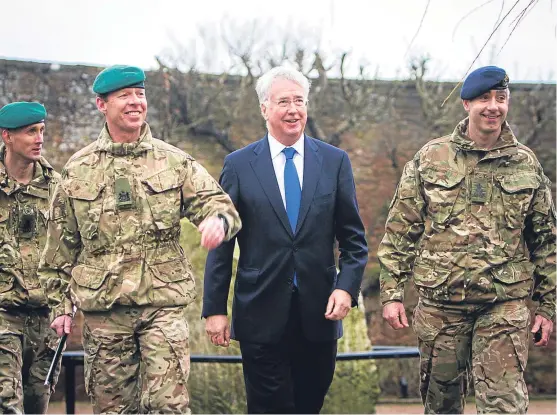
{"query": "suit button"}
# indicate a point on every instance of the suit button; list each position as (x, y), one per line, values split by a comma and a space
(295, 249)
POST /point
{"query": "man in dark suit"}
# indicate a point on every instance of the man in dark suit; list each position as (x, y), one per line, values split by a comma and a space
(295, 196)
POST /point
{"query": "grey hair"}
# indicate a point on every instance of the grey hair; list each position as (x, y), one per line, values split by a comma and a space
(264, 83)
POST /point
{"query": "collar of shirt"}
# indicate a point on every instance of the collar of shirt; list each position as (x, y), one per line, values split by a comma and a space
(276, 146)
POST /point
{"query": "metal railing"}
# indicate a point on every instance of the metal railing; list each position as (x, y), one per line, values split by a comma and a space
(73, 358)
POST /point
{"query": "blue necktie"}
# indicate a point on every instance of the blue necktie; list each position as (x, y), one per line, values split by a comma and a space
(292, 191)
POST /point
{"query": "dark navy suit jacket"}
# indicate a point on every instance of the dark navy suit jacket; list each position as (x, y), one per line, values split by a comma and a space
(270, 252)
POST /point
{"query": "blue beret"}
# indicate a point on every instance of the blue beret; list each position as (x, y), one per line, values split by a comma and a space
(117, 77)
(20, 114)
(483, 80)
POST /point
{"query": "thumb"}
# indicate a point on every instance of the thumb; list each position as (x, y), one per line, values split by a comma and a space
(227, 335)
(202, 226)
(330, 305)
(537, 324)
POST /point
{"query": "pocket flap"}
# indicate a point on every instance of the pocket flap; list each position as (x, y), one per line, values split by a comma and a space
(517, 182)
(248, 275)
(37, 192)
(164, 180)
(82, 189)
(90, 277)
(444, 178)
(429, 277)
(170, 271)
(512, 272)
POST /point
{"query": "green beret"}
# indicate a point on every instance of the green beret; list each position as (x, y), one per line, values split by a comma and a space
(20, 114)
(117, 77)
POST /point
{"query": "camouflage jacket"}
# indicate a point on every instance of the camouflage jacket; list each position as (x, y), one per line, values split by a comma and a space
(23, 218)
(113, 234)
(471, 225)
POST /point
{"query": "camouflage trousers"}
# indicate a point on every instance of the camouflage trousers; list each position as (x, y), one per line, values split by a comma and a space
(27, 345)
(486, 344)
(137, 360)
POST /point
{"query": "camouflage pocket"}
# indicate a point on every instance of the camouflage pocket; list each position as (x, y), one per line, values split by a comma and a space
(8, 252)
(430, 282)
(91, 347)
(441, 188)
(87, 200)
(8, 387)
(92, 288)
(423, 325)
(4, 224)
(177, 336)
(517, 320)
(517, 191)
(520, 345)
(513, 280)
(173, 283)
(164, 199)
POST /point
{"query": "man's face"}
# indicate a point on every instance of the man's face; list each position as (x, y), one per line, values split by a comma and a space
(285, 111)
(488, 111)
(125, 109)
(26, 142)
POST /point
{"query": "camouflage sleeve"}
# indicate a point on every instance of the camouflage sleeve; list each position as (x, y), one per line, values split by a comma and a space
(203, 197)
(405, 224)
(539, 234)
(63, 244)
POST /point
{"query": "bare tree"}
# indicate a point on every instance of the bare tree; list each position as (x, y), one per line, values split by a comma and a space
(438, 118)
(211, 104)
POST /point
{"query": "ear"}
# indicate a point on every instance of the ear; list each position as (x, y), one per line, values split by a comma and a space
(101, 105)
(6, 137)
(264, 109)
(466, 105)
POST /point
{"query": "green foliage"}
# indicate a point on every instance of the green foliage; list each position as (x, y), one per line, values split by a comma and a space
(370, 283)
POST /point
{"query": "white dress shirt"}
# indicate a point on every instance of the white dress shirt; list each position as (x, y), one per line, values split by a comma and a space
(279, 160)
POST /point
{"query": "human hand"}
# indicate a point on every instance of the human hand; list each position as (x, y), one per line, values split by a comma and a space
(546, 326)
(338, 305)
(218, 330)
(395, 315)
(62, 325)
(212, 232)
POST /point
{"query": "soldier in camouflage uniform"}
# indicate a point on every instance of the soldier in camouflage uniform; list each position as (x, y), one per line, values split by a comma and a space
(473, 222)
(113, 250)
(26, 342)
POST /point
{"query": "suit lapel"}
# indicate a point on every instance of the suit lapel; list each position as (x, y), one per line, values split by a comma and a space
(262, 166)
(312, 171)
